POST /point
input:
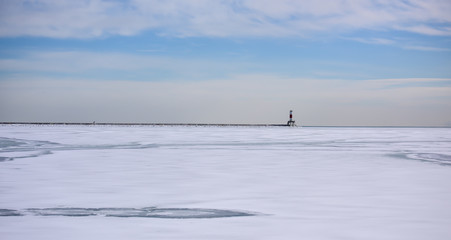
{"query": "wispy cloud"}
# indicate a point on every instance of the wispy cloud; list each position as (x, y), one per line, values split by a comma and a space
(427, 30)
(427, 48)
(381, 41)
(99, 18)
(398, 43)
(116, 66)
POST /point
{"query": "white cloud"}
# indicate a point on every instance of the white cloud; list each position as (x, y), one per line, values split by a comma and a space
(97, 18)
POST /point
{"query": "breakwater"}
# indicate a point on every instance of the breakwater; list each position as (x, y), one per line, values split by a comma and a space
(146, 124)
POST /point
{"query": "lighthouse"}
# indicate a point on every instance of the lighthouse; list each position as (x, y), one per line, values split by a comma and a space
(291, 122)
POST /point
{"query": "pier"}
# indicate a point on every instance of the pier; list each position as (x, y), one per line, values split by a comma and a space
(290, 123)
(145, 124)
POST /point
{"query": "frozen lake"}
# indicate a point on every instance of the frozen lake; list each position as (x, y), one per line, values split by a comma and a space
(176, 182)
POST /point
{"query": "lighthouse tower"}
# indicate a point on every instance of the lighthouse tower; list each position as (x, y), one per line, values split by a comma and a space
(291, 122)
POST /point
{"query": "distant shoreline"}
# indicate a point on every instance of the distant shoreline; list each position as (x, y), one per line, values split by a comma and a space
(204, 124)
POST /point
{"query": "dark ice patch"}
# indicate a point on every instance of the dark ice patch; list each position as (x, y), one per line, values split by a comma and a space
(150, 212)
(37, 154)
(8, 143)
(441, 159)
(437, 158)
(23, 145)
(4, 159)
(190, 213)
(68, 212)
(33, 148)
(9, 213)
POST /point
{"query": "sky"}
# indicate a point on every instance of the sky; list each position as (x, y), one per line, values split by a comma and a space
(333, 62)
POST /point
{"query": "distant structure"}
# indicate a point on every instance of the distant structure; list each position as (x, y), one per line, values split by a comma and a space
(291, 122)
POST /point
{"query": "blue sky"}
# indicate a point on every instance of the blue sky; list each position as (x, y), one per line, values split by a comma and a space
(240, 61)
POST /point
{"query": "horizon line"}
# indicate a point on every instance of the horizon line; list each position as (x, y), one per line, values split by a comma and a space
(212, 124)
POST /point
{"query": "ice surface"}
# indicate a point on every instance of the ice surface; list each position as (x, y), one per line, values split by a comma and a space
(175, 182)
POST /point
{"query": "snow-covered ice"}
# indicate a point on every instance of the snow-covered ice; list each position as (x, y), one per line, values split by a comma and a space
(178, 182)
